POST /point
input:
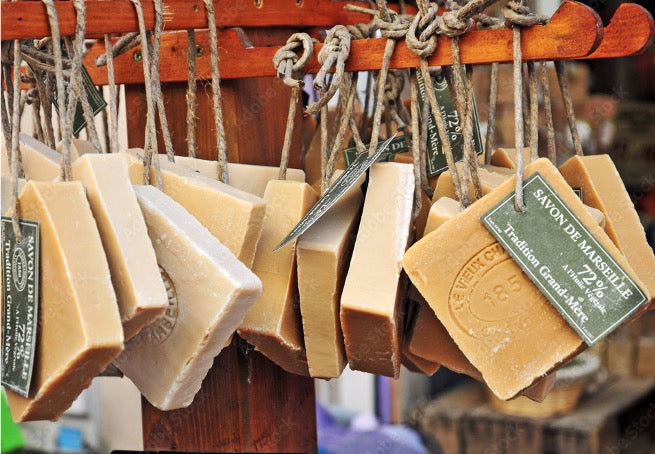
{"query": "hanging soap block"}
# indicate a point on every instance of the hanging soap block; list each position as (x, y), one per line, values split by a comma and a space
(497, 340)
(80, 332)
(209, 294)
(506, 157)
(602, 188)
(323, 254)
(371, 316)
(274, 325)
(231, 215)
(40, 162)
(490, 178)
(139, 288)
(79, 147)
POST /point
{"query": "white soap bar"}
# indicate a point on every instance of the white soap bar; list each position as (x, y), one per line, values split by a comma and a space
(209, 294)
(79, 147)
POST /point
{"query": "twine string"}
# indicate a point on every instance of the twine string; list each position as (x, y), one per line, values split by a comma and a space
(550, 129)
(560, 68)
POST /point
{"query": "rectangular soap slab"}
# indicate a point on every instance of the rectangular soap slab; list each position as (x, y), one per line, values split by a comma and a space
(323, 254)
(209, 294)
(506, 157)
(40, 162)
(80, 332)
(498, 341)
(139, 288)
(603, 189)
(370, 312)
(274, 324)
(233, 216)
(490, 178)
(79, 147)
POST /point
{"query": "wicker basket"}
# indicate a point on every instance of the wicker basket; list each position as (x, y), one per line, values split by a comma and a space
(570, 383)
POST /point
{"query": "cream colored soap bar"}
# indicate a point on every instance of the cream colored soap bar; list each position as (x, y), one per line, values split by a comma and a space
(80, 331)
(139, 289)
(440, 211)
(40, 162)
(323, 255)
(253, 179)
(233, 216)
(370, 315)
(209, 294)
(274, 325)
(603, 189)
(452, 266)
(79, 147)
(490, 178)
(506, 157)
(204, 167)
(6, 192)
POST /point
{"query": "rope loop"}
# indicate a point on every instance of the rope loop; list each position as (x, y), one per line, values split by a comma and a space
(394, 25)
(426, 25)
(516, 13)
(287, 62)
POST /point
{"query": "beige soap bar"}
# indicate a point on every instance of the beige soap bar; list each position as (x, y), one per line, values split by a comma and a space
(233, 216)
(603, 189)
(498, 341)
(79, 147)
(209, 294)
(40, 162)
(440, 211)
(6, 192)
(506, 157)
(323, 255)
(370, 315)
(80, 331)
(274, 325)
(490, 178)
(139, 288)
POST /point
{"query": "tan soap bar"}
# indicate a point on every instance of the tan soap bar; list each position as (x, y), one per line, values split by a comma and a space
(370, 315)
(253, 178)
(499, 341)
(323, 254)
(274, 325)
(490, 178)
(440, 211)
(139, 288)
(6, 192)
(79, 147)
(418, 364)
(204, 167)
(80, 331)
(506, 157)
(209, 294)
(603, 189)
(40, 162)
(233, 216)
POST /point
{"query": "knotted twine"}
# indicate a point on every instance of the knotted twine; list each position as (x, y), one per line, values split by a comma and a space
(518, 15)
(216, 93)
(288, 64)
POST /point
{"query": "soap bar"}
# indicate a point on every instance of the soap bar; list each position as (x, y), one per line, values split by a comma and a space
(204, 167)
(506, 157)
(370, 313)
(603, 189)
(80, 332)
(274, 325)
(490, 178)
(79, 147)
(233, 216)
(139, 289)
(209, 294)
(455, 266)
(440, 211)
(40, 162)
(323, 254)
(6, 192)
(253, 178)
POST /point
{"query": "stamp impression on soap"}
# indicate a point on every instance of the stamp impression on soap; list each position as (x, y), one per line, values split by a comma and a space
(158, 332)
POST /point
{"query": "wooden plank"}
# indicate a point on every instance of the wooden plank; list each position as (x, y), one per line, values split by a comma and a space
(246, 402)
(29, 20)
(629, 32)
(574, 31)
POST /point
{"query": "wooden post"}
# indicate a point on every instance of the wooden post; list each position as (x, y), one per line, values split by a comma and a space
(246, 403)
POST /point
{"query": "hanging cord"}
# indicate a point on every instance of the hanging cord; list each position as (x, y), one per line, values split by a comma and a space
(122, 45)
(470, 157)
(560, 68)
(191, 104)
(518, 15)
(216, 92)
(16, 164)
(288, 64)
(150, 145)
(155, 51)
(550, 129)
(534, 112)
(416, 148)
(113, 111)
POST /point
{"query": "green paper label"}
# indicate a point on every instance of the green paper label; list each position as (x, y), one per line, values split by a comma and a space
(20, 304)
(436, 159)
(334, 192)
(565, 261)
(397, 145)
